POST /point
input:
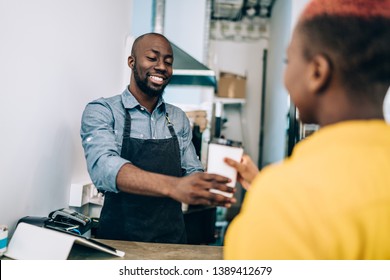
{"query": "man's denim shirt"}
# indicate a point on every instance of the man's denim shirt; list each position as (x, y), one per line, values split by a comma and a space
(102, 130)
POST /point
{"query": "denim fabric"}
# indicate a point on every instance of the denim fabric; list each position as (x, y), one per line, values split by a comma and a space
(102, 131)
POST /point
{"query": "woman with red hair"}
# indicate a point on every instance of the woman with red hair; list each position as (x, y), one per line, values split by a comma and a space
(331, 198)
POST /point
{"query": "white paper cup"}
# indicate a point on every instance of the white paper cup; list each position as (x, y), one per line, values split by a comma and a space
(216, 164)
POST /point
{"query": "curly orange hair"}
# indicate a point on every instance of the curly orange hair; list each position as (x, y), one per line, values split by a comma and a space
(354, 35)
(356, 8)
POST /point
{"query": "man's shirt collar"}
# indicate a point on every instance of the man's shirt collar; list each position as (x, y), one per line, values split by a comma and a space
(130, 102)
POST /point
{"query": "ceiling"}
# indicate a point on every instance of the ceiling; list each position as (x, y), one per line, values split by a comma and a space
(235, 10)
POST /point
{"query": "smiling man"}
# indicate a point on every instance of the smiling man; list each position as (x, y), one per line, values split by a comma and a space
(139, 152)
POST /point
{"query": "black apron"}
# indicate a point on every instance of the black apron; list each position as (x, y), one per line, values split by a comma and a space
(145, 218)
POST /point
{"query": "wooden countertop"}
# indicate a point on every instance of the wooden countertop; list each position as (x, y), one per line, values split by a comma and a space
(148, 251)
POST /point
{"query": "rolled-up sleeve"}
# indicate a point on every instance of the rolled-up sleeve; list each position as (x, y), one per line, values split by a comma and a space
(101, 147)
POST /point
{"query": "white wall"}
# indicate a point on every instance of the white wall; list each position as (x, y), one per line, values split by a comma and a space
(296, 9)
(56, 55)
(141, 19)
(184, 25)
(276, 99)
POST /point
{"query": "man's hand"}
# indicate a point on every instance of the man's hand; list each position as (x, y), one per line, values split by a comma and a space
(195, 189)
(247, 170)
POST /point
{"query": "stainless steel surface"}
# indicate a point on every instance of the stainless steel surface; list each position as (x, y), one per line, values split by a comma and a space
(206, 40)
(158, 16)
(189, 71)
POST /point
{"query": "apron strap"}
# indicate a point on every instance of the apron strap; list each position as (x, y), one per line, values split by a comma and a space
(170, 125)
(126, 131)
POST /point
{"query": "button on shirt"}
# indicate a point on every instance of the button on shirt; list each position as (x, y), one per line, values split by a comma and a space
(102, 134)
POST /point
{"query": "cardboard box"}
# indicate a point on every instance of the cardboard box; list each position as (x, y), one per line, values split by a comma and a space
(231, 85)
(198, 117)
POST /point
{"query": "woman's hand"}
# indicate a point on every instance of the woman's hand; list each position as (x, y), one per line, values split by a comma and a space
(247, 170)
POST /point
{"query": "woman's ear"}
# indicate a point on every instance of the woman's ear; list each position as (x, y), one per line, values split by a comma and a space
(320, 73)
(131, 61)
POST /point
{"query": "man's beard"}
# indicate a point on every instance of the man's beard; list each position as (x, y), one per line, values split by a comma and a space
(143, 85)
